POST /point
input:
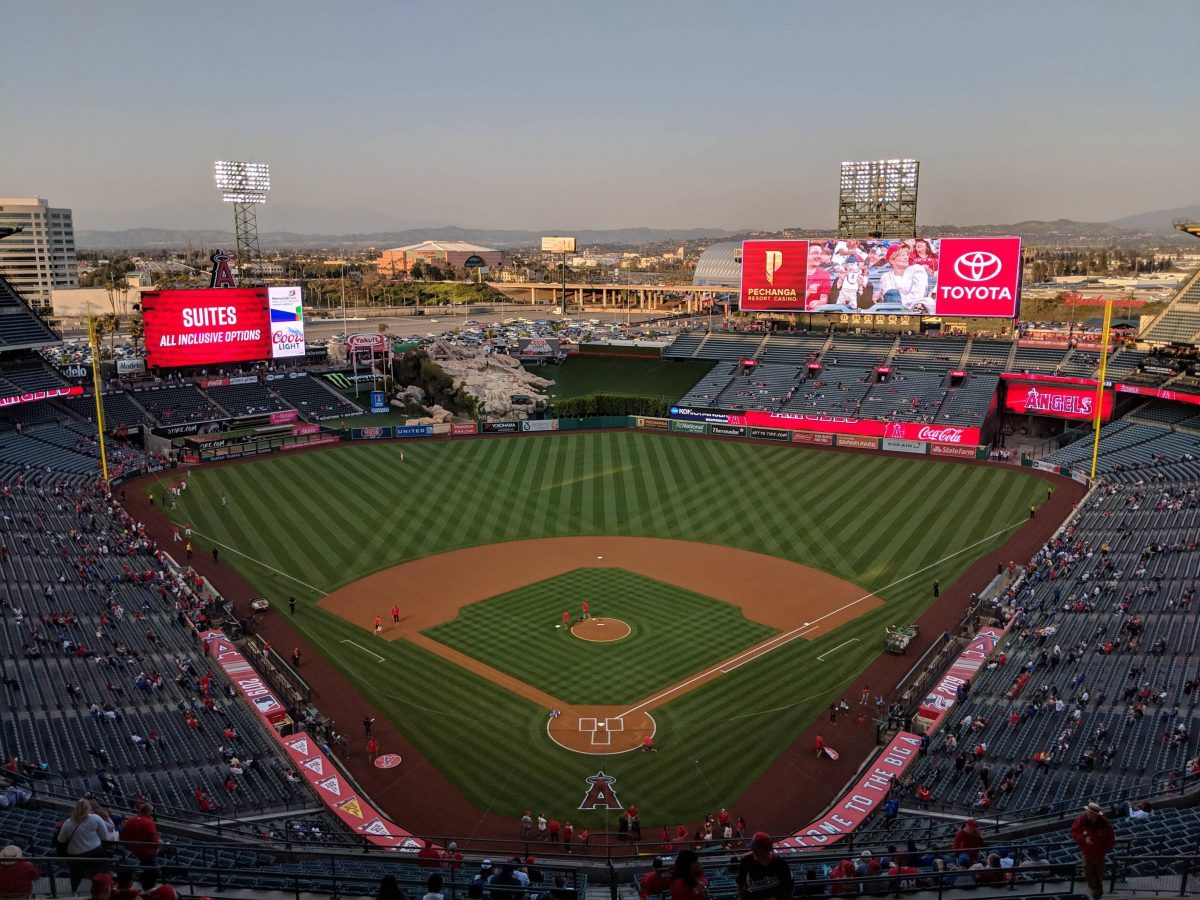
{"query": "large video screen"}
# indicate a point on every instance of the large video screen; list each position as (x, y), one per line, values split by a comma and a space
(966, 276)
(221, 325)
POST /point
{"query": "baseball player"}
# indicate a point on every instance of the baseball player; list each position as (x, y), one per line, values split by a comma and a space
(587, 610)
(378, 626)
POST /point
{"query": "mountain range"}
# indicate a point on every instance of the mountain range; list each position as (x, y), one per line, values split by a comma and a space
(1150, 228)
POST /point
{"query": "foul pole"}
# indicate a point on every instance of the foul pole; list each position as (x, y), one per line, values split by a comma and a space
(1108, 304)
(94, 342)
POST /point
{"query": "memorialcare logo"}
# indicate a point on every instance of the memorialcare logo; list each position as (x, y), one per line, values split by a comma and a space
(601, 792)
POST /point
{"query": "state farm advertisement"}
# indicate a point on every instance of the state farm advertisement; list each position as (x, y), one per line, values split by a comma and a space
(979, 277)
(1056, 400)
(206, 327)
(966, 276)
(775, 275)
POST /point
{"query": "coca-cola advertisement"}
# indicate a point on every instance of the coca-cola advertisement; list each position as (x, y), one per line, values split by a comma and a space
(1059, 401)
(905, 431)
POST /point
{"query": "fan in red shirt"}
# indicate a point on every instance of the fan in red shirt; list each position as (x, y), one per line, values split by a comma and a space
(687, 877)
(429, 857)
(140, 835)
(654, 882)
(17, 875)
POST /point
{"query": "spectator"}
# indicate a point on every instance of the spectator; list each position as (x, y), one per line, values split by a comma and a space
(687, 877)
(433, 888)
(82, 835)
(762, 874)
(17, 875)
(654, 882)
(969, 839)
(140, 835)
(102, 887)
(1094, 836)
(389, 889)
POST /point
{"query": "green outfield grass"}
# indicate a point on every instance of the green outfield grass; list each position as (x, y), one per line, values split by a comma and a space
(328, 518)
(674, 633)
(579, 376)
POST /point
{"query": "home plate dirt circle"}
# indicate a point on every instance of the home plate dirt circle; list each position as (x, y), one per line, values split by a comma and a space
(601, 630)
(600, 730)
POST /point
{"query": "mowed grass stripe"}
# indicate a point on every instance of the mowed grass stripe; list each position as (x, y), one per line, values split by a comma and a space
(674, 633)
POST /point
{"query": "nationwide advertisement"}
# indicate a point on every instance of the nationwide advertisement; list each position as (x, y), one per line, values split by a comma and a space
(968, 276)
(287, 322)
(866, 796)
(206, 327)
(1060, 401)
(688, 427)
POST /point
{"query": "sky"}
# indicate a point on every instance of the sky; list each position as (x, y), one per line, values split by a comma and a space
(558, 114)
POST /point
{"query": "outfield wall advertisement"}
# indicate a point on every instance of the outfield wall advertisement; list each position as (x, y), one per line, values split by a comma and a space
(872, 428)
(867, 795)
(221, 325)
(960, 276)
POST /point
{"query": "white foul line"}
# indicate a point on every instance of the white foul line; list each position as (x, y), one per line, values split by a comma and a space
(365, 650)
(795, 633)
(838, 647)
(259, 562)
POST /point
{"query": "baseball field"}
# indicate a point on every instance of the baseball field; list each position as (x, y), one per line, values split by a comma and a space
(742, 589)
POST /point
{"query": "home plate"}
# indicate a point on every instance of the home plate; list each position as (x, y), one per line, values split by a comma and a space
(599, 557)
(558, 626)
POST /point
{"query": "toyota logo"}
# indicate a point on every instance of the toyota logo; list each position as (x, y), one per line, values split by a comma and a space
(977, 266)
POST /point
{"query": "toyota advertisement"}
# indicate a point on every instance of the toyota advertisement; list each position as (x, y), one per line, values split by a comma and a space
(973, 276)
(1057, 400)
(221, 325)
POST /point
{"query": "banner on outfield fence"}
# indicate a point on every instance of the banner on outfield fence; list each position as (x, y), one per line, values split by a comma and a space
(867, 795)
(500, 427)
(284, 417)
(651, 422)
(689, 427)
(540, 425)
(854, 442)
(728, 430)
(464, 428)
(953, 450)
(412, 431)
(809, 437)
(840, 425)
(964, 669)
(901, 446)
(306, 429)
(769, 434)
(374, 433)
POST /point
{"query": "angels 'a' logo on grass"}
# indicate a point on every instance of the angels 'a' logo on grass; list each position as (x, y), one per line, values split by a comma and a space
(601, 793)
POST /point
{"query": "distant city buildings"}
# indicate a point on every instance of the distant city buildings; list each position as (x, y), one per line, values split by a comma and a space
(443, 254)
(42, 257)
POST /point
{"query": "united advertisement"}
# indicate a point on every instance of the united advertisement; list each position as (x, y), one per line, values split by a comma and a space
(967, 276)
(205, 327)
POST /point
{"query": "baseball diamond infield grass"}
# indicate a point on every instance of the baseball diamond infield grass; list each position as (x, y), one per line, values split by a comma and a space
(328, 518)
(674, 633)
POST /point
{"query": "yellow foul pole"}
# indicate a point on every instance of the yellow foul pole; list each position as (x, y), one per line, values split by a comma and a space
(1100, 386)
(94, 342)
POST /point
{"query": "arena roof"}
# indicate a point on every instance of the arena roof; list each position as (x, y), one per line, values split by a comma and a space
(443, 247)
(718, 268)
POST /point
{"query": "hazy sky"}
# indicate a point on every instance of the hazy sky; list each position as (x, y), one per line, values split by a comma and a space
(564, 114)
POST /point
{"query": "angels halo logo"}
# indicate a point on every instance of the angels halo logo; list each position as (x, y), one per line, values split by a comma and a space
(601, 793)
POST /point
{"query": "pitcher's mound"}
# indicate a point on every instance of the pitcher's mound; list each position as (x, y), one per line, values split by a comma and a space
(601, 630)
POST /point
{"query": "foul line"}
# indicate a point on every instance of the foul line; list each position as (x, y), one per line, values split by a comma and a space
(365, 650)
(821, 658)
(781, 640)
(259, 562)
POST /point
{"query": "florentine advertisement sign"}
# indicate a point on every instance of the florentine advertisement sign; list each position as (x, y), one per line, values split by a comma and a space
(1056, 400)
(287, 322)
(967, 276)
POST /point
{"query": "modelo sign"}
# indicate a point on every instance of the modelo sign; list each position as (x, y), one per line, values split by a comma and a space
(918, 276)
(1056, 400)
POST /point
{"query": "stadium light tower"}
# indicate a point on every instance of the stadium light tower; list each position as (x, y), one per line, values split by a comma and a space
(878, 199)
(245, 185)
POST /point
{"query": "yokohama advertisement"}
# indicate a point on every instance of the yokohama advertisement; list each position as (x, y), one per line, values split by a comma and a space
(1056, 400)
(867, 795)
(206, 327)
(967, 276)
